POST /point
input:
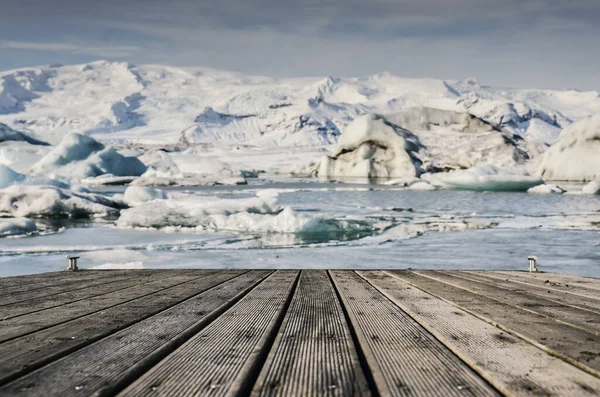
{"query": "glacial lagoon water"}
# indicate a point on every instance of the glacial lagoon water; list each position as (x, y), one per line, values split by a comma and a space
(324, 225)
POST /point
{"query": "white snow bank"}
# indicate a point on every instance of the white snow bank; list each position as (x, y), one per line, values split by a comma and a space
(484, 178)
(135, 195)
(576, 154)
(8, 176)
(546, 189)
(371, 147)
(54, 202)
(16, 226)
(592, 188)
(83, 157)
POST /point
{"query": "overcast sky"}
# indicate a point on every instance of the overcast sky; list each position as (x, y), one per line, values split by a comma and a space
(517, 43)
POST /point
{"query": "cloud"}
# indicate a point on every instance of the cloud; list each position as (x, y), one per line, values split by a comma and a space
(107, 51)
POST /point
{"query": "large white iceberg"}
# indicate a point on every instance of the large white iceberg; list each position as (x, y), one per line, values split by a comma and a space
(371, 147)
(406, 143)
(484, 178)
(576, 154)
(83, 157)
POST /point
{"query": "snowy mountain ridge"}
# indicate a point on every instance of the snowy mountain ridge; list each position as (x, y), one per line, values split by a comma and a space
(118, 102)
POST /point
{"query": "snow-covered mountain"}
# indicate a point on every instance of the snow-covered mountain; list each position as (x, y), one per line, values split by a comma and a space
(116, 102)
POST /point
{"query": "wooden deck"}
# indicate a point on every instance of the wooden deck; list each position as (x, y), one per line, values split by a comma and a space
(299, 333)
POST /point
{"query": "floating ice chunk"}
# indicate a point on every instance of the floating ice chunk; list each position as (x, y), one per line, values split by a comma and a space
(576, 154)
(8, 176)
(545, 189)
(484, 178)
(369, 148)
(592, 188)
(82, 157)
(421, 186)
(54, 202)
(137, 194)
(16, 226)
(407, 181)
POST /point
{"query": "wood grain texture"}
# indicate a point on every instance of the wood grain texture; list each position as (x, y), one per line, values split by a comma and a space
(313, 354)
(107, 366)
(550, 281)
(512, 365)
(224, 356)
(64, 280)
(89, 289)
(527, 300)
(551, 294)
(24, 354)
(26, 324)
(404, 358)
(576, 346)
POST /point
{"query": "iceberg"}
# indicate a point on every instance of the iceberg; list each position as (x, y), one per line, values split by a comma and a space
(546, 189)
(371, 148)
(592, 187)
(576, 154)
(484, 178)
(83, 157)
(45, 201)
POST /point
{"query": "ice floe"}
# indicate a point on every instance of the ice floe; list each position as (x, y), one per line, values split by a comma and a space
(484, 178)
(546, 189)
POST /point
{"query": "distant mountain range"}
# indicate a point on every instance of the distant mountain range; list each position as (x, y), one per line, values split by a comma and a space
(117, 102)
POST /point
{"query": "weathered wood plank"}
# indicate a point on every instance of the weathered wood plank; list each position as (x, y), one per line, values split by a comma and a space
(511, 364)
(88, 290)
(28, 323)
(24, 354)
(582, 319)
(571, 344)
(587, 282)
(105, 367)
(65, 279)
(224, 357)
(549, 281)
(50, 292)
(562, 297)
(313, 354)
(403, 357)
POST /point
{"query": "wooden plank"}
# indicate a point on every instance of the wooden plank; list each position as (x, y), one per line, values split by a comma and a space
(549, 281)
(66, 279)
(23, 355)
(554, 295)
(582, 319)
(571, 344)
(28, 323)
(558, 278)
(225, 356)
(50, 292)
(313, 354)
(512, 365)
(105, 367)
(56, 300)
(404, 358)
